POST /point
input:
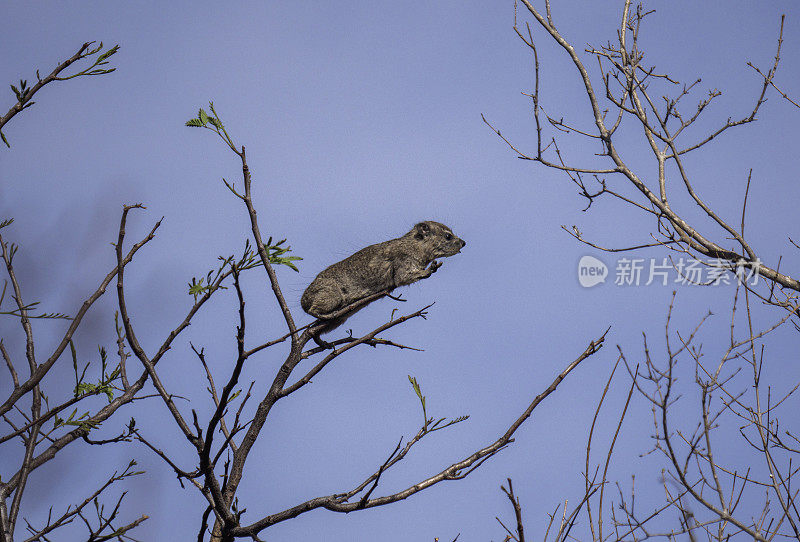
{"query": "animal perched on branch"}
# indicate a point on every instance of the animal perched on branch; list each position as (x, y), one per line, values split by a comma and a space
(376, 269)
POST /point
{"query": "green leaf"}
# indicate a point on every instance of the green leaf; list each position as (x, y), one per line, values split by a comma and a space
(107, 54)
(415, 385)
(285, 261)
(196, 287)
(193, 122)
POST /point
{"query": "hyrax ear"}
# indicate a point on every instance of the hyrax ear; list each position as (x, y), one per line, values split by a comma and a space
(421, 229)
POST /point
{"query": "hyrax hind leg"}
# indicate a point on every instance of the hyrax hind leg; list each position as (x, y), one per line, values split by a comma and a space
(326, 326)
(326, 301)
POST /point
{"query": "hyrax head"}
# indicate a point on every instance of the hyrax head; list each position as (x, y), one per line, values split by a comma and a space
(437, 239)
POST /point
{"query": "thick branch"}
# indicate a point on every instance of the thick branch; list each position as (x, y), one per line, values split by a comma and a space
(454, 471)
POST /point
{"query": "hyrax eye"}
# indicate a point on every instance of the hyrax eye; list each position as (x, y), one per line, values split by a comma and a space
(448, 236)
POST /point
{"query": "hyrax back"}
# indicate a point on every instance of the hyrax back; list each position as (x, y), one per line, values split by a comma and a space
(379, 267)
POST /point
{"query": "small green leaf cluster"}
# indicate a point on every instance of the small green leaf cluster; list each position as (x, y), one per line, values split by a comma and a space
(23, 92)
(203, 119)
(18, 311)
(199, 287)
(58, 421)
(23, 95)
(248, 260)
(212, 122)
(276, 254)
(30, 306)
(10, 250)
(429, 424)
(95, 68)
(105, 384)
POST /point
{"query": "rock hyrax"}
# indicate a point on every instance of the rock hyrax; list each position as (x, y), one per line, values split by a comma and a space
(380, 267)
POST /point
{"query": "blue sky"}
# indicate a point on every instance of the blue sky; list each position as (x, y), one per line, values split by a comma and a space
(361, 119)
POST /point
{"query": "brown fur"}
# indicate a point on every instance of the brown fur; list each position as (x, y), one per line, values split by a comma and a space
(380, 267)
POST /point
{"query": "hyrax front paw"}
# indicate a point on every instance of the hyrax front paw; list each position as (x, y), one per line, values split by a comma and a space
(434, 266)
